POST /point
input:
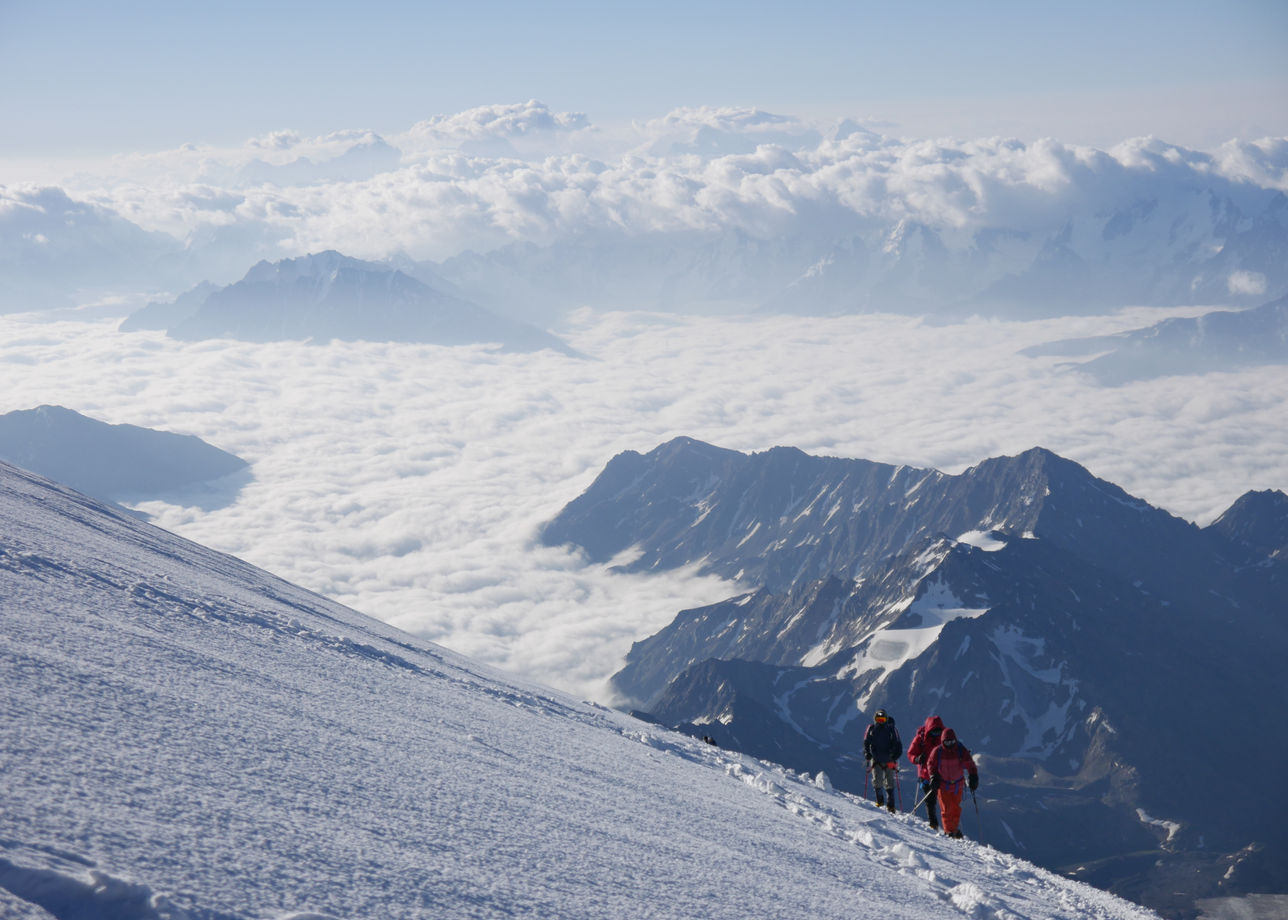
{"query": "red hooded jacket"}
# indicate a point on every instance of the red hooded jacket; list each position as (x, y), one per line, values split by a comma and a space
(950, 762)
(925, 741)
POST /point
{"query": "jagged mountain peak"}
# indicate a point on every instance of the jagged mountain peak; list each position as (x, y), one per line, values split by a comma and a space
(1036, 468)
(1256, 522)
(1272, 501)
(316, 264)
(1041, 494)
(1035, 457)
(332, 274)
(775, 516)
(683, 447)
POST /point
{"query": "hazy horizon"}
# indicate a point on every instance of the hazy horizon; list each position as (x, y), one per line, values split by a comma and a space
(143, 76)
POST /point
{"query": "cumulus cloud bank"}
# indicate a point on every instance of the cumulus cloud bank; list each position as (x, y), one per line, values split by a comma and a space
(817, 209)
(409, 481)
(524, 130)
(445, 201)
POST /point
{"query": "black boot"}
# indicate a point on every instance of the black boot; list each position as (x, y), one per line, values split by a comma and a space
(890, 804)
(880, 799)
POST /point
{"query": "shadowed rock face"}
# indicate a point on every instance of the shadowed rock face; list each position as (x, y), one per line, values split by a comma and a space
(1256, 524)
(782, 516)
(114, 462)
(1064, 628)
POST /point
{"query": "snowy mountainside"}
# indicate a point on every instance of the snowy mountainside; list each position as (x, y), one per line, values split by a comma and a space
(186, 737)
(1039, 609)
(328, 296)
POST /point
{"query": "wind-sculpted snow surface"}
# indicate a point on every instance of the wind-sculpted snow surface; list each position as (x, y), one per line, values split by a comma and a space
(184, 737)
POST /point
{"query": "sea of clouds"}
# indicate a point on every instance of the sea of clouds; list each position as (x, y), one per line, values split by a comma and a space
(410, 481)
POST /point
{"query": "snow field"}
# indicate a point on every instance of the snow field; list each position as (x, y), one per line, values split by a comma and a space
(184, 737)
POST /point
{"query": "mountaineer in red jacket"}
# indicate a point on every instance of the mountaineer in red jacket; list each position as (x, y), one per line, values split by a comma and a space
(925, 741)
(951, 769)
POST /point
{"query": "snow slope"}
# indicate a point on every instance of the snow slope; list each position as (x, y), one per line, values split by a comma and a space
(184, 736)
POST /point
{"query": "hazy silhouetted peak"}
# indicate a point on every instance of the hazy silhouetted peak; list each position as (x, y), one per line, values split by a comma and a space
(110, 462)
(328, 295)
(318, 264)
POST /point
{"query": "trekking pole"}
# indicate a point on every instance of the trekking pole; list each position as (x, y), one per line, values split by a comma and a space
(866, 773)
(979, 826)
(928, 794)
(898, 784)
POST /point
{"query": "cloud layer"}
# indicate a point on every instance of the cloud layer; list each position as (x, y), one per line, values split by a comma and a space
(408, 481)
(526, 174)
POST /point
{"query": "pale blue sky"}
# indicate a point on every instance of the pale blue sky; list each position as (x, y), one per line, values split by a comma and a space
(92, 78)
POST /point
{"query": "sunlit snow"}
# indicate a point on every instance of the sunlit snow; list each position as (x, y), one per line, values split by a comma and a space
(888, 649)
(186, 738)
(1047, 722)
(988, 542)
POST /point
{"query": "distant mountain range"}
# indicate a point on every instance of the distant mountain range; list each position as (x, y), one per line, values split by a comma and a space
(366, 158)
(115, 462)
(56, 250)
(712, 221)
(1113, 666)
(1174, 245)
(329, 296)
(1223, 340)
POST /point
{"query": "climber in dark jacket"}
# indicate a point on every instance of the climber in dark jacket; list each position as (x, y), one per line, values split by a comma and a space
(882, 748)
